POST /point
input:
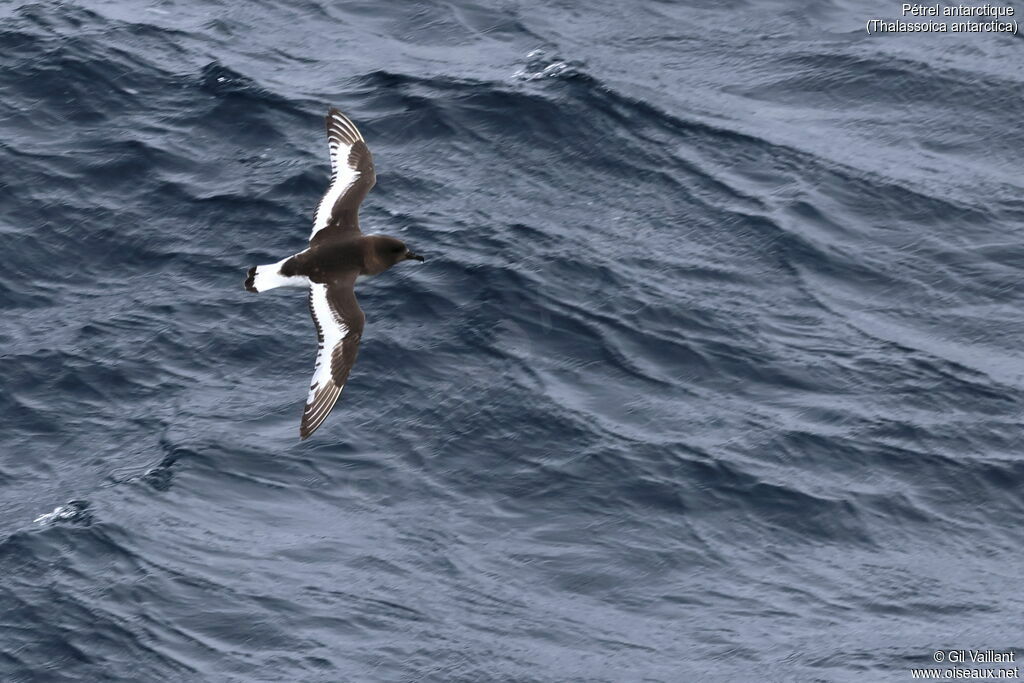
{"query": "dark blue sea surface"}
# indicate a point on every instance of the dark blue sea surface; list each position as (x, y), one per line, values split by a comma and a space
(713, 371)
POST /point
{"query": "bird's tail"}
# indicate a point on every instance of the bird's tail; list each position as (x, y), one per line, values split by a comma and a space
(262, 278)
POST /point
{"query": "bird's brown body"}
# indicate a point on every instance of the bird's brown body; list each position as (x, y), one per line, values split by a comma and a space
(364, 255)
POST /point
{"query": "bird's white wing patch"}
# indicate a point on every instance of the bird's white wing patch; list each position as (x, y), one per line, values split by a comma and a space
(331, 331)
(341, 136)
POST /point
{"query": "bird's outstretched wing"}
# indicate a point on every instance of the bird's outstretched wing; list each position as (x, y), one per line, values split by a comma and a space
(339, 326)
(352, 176)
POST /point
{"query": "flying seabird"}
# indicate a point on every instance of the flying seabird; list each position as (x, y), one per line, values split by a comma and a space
(338, 253)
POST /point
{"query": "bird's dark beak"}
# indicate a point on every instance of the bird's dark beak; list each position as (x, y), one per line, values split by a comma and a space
(409, 256)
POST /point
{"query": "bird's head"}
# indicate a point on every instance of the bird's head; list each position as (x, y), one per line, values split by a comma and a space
(390, 251)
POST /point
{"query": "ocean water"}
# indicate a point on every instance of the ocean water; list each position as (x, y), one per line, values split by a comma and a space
(713, 371)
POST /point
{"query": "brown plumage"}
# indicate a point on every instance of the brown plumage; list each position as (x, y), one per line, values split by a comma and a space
(338, 253)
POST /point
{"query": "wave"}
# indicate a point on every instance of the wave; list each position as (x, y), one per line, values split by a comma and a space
(671, 375)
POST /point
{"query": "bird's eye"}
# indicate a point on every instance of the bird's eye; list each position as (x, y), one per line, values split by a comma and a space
(397, 249)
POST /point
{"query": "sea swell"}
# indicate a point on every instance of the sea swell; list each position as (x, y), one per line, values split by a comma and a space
(694, 383)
